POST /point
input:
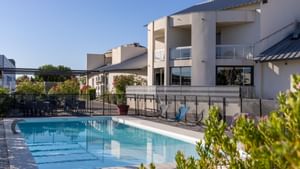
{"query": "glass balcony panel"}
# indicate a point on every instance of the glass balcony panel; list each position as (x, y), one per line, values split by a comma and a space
(234, 51)
(180, 53)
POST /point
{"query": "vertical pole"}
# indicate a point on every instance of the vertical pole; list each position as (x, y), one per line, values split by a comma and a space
(196, 103)
(241, 104)
(260, 108)
(166, 102)
(135, 112)
(175, 106)
(103, 103)
(209, 102)
(224, 109)
(145, 105)
(184, 100)
(153, 104)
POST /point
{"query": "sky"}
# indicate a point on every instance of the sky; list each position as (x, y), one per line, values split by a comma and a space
(62, 32)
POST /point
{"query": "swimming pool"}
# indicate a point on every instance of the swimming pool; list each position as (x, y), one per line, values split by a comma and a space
(88, 143)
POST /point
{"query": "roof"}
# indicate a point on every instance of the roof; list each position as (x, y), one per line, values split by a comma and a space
(217, 5)
(136, 63)
(287, 49)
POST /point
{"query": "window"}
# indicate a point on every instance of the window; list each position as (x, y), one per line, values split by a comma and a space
(159, 76)
(235, 75)
(181, 76)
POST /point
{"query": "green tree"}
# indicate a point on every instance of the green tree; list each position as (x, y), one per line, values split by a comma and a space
(272, 142)
(50, 73)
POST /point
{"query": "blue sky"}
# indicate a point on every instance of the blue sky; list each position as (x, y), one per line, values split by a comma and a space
(37, 32)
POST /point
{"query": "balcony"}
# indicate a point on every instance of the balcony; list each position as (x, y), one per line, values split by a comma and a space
(181, 53)
(159, 55)
(235, 52)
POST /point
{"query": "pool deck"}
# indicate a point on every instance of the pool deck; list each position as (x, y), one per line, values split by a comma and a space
(19, 156)
(4, 162)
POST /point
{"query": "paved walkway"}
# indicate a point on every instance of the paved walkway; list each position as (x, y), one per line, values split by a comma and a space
(3, 148)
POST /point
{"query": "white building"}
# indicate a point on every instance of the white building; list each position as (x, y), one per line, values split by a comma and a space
(227, 43)
(7, 80)
(130, 59)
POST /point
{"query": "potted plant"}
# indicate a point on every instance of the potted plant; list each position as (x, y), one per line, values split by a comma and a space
(120, 83)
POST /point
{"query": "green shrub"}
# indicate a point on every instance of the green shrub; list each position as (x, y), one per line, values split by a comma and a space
(5, 101)
(69, 87)
(272, 142)
(30, 87)
(92, 93)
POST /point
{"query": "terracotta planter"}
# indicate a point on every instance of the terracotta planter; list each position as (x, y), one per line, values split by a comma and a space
(123, 109)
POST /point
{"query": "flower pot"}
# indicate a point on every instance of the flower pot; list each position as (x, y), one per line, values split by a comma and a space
(123, 109)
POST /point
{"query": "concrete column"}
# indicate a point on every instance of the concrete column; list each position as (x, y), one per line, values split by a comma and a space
(167, 51)
(151, 41)
(204, 49)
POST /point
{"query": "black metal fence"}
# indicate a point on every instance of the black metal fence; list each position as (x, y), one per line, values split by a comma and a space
(17, 105)
(32, 105)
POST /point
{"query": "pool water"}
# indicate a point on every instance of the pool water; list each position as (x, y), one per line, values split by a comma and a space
(88, 143)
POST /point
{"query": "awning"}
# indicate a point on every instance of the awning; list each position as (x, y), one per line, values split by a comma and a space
(136, 63)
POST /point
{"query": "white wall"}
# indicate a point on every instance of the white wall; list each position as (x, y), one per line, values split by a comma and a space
(247, 33)
(275, 15)
(123, 53)
(180, 37)
(138, 74)
(204, 49)
(277, 76)
(94, 61)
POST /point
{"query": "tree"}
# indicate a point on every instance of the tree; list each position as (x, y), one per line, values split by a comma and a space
(30, 87)
(67, 87)
(271, 142)
(50, 73)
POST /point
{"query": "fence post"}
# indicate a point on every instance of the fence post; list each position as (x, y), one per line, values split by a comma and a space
(184, 101)
(196, 103)
(175, 106)
(260, 108)
(103, 103)
(209, 102)
(135, 105)
(145, 105)
(241, 104)
(166, 102)
(224, 109)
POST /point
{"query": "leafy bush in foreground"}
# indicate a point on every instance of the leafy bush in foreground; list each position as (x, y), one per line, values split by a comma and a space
(272, 142)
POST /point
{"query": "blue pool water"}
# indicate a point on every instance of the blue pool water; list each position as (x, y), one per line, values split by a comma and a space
(88, 143)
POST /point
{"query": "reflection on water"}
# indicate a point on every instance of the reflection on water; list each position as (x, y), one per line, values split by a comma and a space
(97, 143)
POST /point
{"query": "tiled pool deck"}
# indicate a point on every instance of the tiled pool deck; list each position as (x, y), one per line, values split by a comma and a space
(18, 155)
(4, 163)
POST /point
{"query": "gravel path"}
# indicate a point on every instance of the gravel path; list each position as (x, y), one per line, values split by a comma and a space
(3, 148)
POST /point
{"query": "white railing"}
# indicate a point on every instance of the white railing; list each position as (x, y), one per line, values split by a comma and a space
(159, 55)
(235, 51)
(181, 53)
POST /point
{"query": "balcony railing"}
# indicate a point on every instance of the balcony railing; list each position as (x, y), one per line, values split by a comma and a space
(235, 52)
(181, 53)
(159, 55)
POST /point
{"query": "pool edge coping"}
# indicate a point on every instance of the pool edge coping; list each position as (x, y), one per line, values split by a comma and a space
(136, 122)
(19, 155)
